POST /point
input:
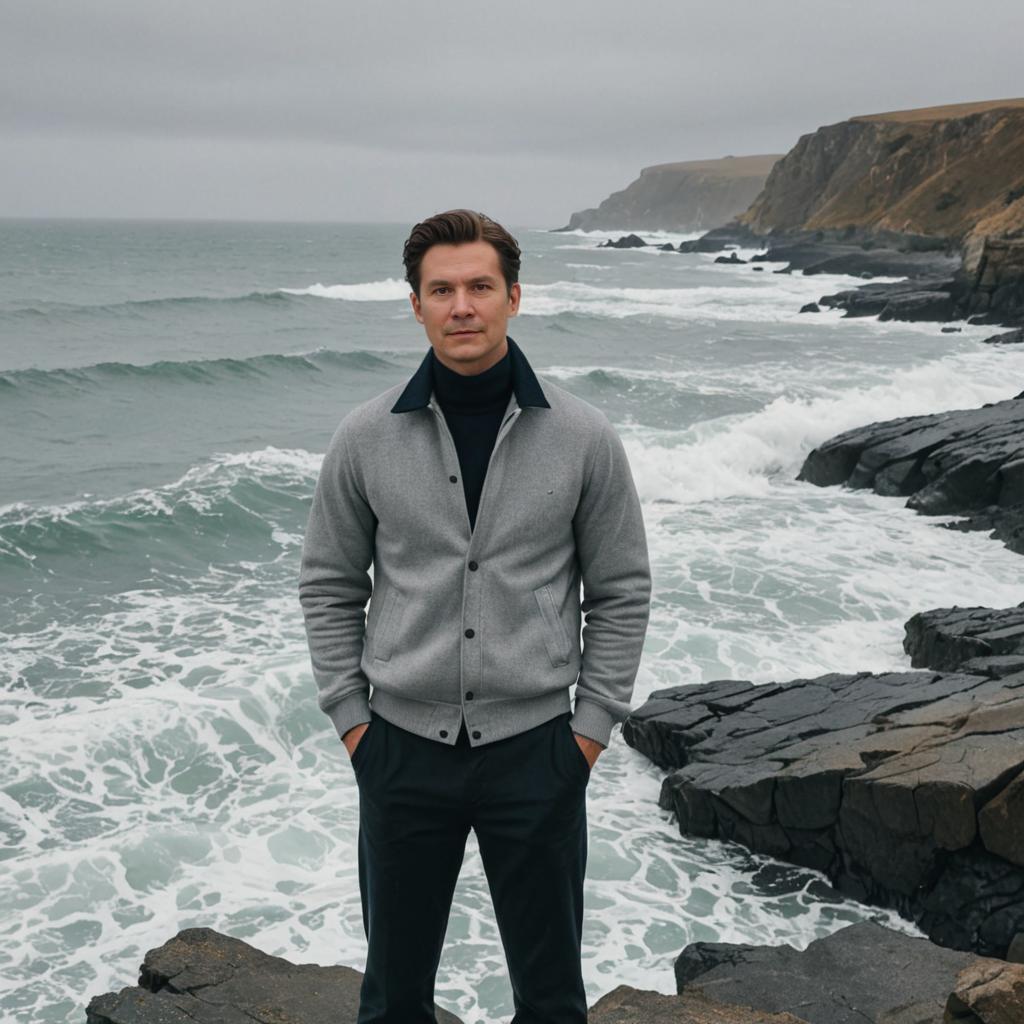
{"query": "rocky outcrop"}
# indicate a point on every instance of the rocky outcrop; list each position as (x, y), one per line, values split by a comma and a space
(689, 196)
(949, 180)
(904, 788)
(848, 977)
(966, 462)
(977, 640)
(631, 241)
(204, 977)
(953, 172)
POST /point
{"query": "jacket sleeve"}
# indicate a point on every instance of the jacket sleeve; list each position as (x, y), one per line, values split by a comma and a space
(334, 585)
(611, 545)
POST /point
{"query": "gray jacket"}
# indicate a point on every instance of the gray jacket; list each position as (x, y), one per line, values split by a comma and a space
(483, 623)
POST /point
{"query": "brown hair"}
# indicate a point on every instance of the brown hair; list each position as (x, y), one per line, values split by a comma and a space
(454, 227)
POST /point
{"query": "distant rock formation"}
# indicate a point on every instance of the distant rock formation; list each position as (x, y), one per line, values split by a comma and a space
(939, 177)
(693, 195)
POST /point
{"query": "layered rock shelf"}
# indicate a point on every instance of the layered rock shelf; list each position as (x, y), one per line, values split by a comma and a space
(967, 462)
(904, 788)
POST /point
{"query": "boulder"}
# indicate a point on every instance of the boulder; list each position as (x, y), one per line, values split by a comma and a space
(204, 977)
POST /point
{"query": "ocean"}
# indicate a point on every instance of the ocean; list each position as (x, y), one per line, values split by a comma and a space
(167, 391)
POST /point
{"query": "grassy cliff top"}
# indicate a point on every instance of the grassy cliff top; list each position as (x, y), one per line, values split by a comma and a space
(940, 113)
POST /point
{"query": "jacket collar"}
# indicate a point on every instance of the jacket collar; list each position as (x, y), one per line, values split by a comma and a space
(525, 386)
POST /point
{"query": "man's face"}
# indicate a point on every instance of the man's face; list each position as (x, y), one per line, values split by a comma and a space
(464, 306)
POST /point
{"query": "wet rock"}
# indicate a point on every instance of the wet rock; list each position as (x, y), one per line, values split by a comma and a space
(990, 640)
(965, 461)
(900, 786)
(624, 242)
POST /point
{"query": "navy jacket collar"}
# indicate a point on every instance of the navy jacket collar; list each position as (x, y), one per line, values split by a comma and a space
(525, 385)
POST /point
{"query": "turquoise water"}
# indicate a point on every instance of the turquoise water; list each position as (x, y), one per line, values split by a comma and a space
(166, 394)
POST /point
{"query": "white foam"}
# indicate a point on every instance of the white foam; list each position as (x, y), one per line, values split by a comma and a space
(199, 486)
(389, 290)
(739, 454)
(777, 299)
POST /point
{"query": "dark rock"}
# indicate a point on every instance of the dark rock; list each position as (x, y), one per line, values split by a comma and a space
(625, 242)
(757, 268)
(203, 977)
(918, 305)
(667, 247)
(948, 639)
(966, 461)
(900, 786)
(810, 307)
(951, 330)
(1007, 338)
(843, 978)
(731, 258)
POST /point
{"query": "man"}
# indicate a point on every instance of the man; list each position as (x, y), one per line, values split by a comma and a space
(482, 500)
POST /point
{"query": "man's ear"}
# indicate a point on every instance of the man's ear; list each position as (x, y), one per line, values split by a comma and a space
(414, 299)
(515, 294)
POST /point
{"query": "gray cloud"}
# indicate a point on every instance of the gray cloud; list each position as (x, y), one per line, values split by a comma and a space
(262, 108)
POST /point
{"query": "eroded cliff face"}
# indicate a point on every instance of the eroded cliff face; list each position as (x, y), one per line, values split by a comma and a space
(951, 174)
(691, 196)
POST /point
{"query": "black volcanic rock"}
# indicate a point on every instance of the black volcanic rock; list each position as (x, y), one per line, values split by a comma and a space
(731, 258)
(905, 788)
(967, 462)
(810, 307)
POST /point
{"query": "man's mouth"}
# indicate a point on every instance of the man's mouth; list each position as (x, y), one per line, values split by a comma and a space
(461, 334)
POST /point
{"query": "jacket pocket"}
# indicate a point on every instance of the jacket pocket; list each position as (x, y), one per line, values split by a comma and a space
(556, 640)
(387, 626)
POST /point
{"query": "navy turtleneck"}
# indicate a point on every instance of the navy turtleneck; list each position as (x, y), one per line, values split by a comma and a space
(473, 405)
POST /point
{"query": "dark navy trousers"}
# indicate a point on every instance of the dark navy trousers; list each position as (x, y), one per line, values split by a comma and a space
(525, 798)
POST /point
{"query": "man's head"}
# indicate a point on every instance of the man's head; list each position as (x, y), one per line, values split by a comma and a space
(463, 269)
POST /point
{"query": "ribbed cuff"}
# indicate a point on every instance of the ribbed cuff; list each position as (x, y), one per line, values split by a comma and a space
(591, 720)
(351, 711)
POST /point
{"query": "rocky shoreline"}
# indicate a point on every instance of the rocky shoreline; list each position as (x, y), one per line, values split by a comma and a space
(936, 285)
(202, 976)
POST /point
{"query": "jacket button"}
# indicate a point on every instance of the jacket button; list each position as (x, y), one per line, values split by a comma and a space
(476, 735)
(469, 695)
(454, 479)
(470, 633)
(444, 732)
(473, 566)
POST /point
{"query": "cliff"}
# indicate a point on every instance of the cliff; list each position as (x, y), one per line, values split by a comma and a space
(690, 196)
(953, 175)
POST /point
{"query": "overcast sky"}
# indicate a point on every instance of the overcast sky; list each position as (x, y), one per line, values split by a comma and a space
(391, 111)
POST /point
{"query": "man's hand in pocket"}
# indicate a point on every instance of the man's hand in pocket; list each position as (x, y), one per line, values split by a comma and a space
(353, 736)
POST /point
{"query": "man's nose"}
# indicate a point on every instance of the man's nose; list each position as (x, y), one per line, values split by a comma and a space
(463, 304)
